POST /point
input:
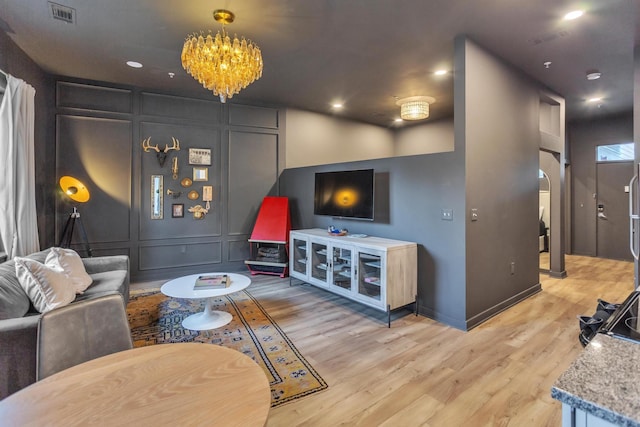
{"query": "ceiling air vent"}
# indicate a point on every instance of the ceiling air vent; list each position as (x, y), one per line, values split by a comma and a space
(62, 13)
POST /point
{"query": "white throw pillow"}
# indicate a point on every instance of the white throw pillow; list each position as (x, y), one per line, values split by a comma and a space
(69, 261)
(48, 287)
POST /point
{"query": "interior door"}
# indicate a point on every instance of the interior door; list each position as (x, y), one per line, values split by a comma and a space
(612, 206)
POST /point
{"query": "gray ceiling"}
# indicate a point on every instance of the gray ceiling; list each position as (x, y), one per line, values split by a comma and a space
(361, 52)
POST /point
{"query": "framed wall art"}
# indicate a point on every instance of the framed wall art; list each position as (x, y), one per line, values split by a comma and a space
(200, 174)
(177, 210)
(200, 156)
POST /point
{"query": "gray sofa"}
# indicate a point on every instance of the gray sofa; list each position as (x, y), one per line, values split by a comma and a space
(19, 319)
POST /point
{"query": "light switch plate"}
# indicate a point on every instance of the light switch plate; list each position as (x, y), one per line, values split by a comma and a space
(474, 214)
(447, 214)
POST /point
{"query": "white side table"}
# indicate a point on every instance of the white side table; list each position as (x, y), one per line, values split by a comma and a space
(182, 287)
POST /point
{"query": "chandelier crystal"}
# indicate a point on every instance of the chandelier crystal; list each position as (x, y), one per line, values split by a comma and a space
(415, 107)
(219, 64)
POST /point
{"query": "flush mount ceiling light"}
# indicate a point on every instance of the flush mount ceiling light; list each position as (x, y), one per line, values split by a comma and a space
(415, 107)
(134, 64)
(593, 75)
(440, 72)
(573, 15)
(596, 99)
(222, 65)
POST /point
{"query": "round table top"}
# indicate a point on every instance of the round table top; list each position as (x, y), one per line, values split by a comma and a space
(164, 384)
(182, 287)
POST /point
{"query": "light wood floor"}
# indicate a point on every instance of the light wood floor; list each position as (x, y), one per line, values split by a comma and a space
(423, 373)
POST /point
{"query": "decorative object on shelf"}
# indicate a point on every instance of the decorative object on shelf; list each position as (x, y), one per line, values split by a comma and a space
(177, 210)
(157, 199)
(415, 107)
(174, 194)
(207, 195)
(78, 192)
(222, 65)
(174, 167)
(335, 232)
(193, 195)
(160, 154)
(200, 174)
(200, 156)
(198, 211)
(186, 182)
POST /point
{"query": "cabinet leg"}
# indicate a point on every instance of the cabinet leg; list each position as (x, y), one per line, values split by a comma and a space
(416, 306)
(388, 316)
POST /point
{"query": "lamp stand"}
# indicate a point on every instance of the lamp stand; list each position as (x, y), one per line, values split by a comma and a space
(67, 232)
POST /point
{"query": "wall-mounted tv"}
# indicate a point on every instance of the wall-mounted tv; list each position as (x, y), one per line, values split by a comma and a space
(345, 194)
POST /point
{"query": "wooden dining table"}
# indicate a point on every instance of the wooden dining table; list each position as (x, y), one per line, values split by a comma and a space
(185, 384)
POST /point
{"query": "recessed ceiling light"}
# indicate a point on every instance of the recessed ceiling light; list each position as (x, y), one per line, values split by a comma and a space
(397, 120)
(573, 15)
(440, 72)
(337, 105)
(134, 64)
(594, 99)
(547, 64)
(171, 75)
(594, 75)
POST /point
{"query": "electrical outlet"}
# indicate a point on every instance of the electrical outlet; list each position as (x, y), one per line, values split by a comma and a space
(474, 214)
(447, 214)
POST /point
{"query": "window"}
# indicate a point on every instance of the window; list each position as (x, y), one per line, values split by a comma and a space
(615, 152)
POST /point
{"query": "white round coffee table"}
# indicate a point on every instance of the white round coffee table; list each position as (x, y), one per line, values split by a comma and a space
(182, 287)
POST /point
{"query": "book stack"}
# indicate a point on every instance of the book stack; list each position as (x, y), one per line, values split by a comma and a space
(212, 281)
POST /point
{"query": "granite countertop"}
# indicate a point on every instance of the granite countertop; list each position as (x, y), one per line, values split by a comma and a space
(604, 381)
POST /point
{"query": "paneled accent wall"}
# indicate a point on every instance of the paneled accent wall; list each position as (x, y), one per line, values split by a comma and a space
(99, 130)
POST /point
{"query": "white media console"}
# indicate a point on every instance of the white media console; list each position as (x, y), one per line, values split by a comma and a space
(381, 273)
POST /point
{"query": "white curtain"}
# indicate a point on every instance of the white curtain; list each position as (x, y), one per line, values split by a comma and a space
(18, 220)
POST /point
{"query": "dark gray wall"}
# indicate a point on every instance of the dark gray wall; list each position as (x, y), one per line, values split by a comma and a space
(15, 62)
(501, 125)
(410, 193)
(98, 140)
(583, 138)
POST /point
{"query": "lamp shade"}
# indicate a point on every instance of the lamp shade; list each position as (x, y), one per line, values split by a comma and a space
(75, 189)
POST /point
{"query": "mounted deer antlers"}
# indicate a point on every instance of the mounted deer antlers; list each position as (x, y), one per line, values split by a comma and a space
(161, 155)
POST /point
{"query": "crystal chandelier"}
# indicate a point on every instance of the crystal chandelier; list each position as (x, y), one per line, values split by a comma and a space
(222, 65)
(415, 107)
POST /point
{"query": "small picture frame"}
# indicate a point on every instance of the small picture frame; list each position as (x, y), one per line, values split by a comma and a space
(177, 210)
(200, 156)
(200, 174)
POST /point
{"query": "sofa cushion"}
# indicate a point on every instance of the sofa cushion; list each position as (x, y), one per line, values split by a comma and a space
(47, 286)
(69, 261)
(107, 281)
(14, 301)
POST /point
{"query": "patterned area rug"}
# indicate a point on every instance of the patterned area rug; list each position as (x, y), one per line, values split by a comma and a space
(156, 319)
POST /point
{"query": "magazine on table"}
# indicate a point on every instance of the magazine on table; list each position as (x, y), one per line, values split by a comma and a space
(212, 281)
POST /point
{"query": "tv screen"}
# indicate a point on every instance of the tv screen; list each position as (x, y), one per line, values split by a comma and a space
(346, 194)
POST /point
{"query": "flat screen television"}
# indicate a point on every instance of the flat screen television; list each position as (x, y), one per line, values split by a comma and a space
(344, 194)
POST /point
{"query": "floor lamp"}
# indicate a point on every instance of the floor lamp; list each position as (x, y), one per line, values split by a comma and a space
(77, 192)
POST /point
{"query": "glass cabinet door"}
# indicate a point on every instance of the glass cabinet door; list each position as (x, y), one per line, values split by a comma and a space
(370, 278)
(319, 262)
(299, 259)
(341, 267)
